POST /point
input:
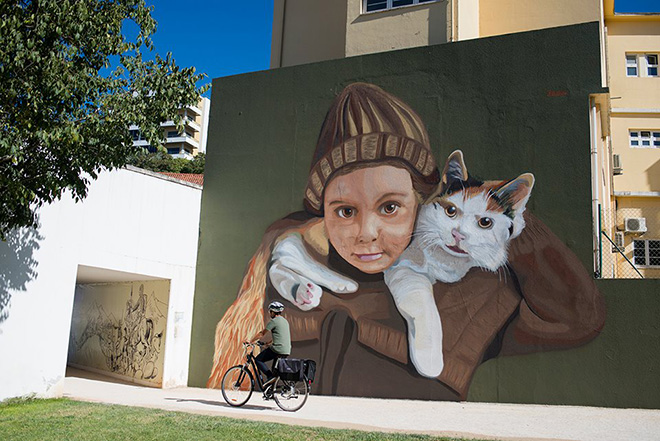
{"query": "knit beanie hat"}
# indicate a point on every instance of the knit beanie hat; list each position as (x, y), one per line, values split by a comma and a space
(367, 124)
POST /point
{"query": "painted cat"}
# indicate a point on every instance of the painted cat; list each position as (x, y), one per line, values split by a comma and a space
(466, 223)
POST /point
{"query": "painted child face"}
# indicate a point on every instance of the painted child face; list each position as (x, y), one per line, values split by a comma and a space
(369, 216)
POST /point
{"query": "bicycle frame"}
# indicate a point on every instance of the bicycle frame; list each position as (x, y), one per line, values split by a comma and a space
(250, 361)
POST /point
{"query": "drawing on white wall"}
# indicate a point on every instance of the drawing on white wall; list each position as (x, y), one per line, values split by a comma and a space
(132, 344)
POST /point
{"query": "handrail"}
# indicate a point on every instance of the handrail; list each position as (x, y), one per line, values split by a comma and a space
(620, 251)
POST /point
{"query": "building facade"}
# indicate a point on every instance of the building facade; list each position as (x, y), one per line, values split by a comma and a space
(633, 48)
(105, 285)
(306, 31)
(182, 145)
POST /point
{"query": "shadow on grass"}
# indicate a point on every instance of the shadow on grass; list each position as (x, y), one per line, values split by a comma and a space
(220, 403)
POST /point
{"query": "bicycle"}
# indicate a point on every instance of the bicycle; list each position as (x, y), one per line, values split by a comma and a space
(238, 383)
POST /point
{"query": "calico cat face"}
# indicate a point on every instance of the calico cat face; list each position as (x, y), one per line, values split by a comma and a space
(471, 219)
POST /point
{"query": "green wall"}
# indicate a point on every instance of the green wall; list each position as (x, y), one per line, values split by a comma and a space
(618, 369)
(513, 104)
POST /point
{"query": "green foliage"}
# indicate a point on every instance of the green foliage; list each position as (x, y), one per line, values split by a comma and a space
(76, 421)
(196, 165)
(162, 162)
(65, 108)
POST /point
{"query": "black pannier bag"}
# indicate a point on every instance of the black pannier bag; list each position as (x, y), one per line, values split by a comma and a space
(309, 369)
(290, 369)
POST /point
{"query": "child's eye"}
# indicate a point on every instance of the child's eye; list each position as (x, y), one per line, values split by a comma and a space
(450, 210)
(389, 208)
(346, 212)
(485, 222)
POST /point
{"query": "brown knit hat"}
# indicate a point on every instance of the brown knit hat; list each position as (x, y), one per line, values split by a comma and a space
(367, 124)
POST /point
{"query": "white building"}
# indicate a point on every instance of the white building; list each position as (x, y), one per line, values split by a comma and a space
(121, 263)
(193, 139)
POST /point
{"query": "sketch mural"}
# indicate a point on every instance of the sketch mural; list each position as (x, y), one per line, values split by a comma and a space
(120, 328)
(401, 278)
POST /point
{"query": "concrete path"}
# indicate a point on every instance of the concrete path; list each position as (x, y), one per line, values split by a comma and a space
(467, 420)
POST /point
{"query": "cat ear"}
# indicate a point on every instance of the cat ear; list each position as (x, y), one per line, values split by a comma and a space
(455, 169)
(515, 194)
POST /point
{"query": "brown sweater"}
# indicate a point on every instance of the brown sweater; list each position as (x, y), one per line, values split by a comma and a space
(544, 299)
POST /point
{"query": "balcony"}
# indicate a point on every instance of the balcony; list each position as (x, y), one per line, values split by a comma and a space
(183, 139)
(186, 122)
(196, 110)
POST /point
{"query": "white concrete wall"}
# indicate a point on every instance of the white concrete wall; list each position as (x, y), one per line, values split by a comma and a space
(468, 19)
(130, 222)
(205, 105)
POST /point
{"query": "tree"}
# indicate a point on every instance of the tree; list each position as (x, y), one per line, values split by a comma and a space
(158, 162)
(195, 165)
(71, 84)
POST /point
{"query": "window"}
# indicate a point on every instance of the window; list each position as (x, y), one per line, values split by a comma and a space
(173, 134)
(644, 139)
(381, 5)
(646, 252)
(174, 151)
(631, 65)
(652, 65)
(642, 65)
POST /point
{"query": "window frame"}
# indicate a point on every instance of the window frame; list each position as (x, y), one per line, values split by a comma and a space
(389, 5)
(641, 63)
(647, 255)
(629, 58)
(653, 138)
(650, 66)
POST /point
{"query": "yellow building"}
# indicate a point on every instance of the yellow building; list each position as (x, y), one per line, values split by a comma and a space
(182, 145)
(305, 31)
(625, 124)
(633, 48)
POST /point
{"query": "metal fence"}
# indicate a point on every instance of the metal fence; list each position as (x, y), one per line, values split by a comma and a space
(630, 243)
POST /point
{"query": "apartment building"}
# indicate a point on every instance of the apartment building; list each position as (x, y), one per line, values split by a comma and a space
(186, 144)
(633, 48)
(305, 31)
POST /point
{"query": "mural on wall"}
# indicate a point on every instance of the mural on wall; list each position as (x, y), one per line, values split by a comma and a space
(131, 345)
(400, 278)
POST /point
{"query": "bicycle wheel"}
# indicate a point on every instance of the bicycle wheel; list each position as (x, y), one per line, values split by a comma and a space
(237, 385)
(290, 395)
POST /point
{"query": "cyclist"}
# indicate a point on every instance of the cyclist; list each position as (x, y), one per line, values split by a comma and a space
(281, 346)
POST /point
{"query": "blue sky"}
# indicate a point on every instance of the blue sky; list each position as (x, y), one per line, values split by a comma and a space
(636, 6)
(223, 37)
(219, 38)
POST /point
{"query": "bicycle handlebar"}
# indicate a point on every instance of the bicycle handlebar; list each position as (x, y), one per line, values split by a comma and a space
(247, 344)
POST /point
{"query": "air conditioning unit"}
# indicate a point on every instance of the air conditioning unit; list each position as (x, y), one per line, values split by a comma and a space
(619, 244)
(617, 167)
(634, 225)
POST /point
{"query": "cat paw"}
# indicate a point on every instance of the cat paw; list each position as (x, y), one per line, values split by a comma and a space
(343, 287)
(308, 296)
(429, 362)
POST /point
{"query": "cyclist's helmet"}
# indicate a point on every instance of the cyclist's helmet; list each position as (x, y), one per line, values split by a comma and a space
(276, 307)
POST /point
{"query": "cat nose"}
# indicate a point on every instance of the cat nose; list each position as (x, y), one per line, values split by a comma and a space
(458, 236)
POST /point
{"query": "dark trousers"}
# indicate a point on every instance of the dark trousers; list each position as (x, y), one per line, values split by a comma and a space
(264, 356)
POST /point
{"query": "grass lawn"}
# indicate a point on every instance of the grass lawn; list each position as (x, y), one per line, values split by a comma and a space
(66, 420)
